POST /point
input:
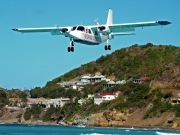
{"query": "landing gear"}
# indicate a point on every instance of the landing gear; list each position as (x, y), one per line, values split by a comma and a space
(107, 47)
(71, 48)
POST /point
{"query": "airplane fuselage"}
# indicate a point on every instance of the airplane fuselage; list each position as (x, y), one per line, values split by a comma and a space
(87, 36)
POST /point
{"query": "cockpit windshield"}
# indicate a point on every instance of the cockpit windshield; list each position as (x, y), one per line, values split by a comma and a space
(79, 28)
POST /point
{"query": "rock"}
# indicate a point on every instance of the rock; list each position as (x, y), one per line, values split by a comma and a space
(62, 123)
(108, 118)
(176, 124)
(79, 120)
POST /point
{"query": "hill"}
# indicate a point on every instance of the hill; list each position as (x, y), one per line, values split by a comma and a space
(145, 104)
(137, 60)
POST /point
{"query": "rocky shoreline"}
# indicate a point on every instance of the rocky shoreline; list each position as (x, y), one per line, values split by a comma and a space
(113, 119)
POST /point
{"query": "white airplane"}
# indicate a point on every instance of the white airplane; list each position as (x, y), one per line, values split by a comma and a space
(95, 34)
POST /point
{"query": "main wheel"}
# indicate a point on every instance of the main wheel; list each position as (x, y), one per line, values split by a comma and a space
(69, 49)
(72, 49)
(109, 47)
(105, 47)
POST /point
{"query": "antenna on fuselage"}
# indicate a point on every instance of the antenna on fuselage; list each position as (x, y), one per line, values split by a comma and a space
(96, 21)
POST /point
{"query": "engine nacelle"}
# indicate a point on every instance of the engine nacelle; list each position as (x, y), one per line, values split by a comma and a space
(101, 28)
(104, 29)
(64, 30)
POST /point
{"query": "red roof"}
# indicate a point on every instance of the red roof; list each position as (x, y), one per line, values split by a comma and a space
(15, 99)
(144, 78)
(107, 93)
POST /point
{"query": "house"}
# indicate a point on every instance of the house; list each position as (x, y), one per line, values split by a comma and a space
(16, 102)
(107, 96)
(15, 99)
(41, 101)
(109, 84)
(141, 80)
(47, 103)
(93, 79)
(85, 79)
(97, 78)
(57, 102)
(113, 83)
(76, 85)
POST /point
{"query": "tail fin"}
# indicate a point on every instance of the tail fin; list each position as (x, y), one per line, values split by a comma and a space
(110, 17)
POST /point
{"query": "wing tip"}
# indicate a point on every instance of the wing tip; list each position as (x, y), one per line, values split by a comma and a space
(15, 29)
(164, 22)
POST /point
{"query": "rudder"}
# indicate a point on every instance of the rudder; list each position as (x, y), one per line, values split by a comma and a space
(110, 17)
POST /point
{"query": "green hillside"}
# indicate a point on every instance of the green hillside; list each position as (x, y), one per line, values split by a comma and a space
(137, 60)
(159, 62)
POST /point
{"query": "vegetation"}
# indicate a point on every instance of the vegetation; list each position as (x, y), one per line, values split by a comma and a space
(127, 62)
(3, 98)
(33, 112)
(53, 92)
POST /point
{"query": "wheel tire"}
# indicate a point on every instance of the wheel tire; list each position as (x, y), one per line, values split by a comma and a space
(72, 49)
(109, 47)
(69, 49)
(105, 47)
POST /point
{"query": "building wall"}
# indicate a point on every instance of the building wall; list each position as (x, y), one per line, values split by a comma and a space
(98, 100)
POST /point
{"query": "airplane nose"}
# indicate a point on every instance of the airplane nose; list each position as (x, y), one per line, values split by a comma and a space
(163, 22)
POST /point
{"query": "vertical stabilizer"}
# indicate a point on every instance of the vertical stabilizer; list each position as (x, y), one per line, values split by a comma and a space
(110, 17)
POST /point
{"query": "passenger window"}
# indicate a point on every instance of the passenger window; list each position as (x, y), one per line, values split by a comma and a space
(89, 31)
(73, 28)
(96, 33)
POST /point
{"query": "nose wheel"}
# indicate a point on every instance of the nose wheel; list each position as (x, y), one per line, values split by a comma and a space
(71, 47)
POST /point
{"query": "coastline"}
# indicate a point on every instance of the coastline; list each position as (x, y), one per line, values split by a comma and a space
(126, 127)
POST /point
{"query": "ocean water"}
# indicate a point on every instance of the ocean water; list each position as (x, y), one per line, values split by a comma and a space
(18, 129)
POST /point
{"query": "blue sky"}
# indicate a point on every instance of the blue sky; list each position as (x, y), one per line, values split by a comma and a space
(30, 60)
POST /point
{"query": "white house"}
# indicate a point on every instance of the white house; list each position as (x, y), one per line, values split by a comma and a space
(104, 97)
(47, 103)
(58, 102)
(93, 79)
(112, 83)
(85, 79)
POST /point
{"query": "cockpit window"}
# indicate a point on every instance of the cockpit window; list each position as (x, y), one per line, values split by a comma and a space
(81, 28)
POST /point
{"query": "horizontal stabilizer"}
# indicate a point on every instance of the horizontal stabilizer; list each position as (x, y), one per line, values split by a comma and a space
(121, 34)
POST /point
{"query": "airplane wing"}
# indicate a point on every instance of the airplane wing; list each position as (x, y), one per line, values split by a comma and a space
(131, 26)
(52, 30)
(128, 27)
